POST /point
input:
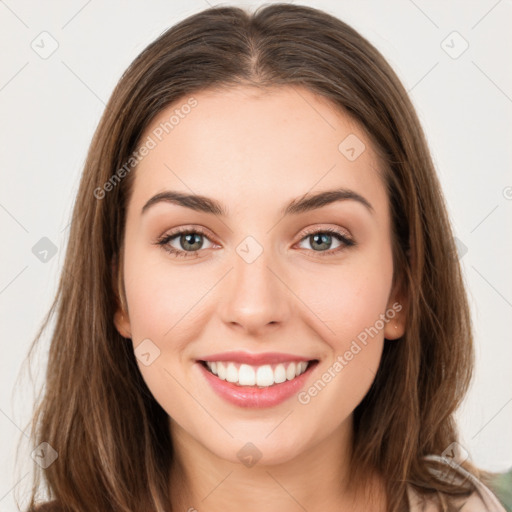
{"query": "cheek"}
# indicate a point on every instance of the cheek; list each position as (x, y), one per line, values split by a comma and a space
(349, 299)
(163, 301)
(351, 303)
(162, 297)
(166, 301)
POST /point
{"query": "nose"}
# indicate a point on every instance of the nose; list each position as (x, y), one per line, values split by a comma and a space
(255, 297)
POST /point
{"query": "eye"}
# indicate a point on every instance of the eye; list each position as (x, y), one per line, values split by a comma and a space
(190, 241)
(322, 239)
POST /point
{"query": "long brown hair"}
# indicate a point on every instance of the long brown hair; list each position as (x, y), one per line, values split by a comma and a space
(112, 437)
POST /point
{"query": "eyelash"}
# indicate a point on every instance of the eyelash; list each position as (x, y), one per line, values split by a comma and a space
(165, 239)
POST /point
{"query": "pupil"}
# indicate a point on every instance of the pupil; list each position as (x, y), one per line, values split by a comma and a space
(188, 237)
(322, 238)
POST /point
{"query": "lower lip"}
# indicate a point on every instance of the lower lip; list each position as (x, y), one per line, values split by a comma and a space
(252, 396)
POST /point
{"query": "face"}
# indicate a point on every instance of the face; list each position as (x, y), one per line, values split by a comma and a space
(258, 275)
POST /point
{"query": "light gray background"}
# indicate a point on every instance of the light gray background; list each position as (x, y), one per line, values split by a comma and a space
(50, 107)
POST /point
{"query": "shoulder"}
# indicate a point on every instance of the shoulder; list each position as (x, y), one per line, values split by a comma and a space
(475, 502)
(480, 500)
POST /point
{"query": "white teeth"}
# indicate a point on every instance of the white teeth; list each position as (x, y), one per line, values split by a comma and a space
(290, 371)
(246, 375)
(265, 376)
(262, 376)
(279, 374)
(231, 373)
(221, 371)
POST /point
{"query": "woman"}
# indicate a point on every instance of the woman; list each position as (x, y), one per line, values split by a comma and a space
(260, 307)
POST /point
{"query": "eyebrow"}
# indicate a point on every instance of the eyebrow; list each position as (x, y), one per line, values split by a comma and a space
(296, 206)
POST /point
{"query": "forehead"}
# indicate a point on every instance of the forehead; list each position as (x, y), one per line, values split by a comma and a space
(243, 144)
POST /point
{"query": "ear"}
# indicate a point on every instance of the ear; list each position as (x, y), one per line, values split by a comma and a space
(121, 318)
(396, 313)
(122, 323)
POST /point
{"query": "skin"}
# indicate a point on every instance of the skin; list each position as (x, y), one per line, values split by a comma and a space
(254, 152)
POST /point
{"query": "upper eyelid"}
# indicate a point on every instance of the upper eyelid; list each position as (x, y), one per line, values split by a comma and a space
(181, 231)
(343, 232)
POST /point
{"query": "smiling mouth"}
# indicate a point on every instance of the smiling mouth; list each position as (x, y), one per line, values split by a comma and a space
(258, 376)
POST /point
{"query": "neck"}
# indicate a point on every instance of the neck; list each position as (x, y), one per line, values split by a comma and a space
(314, 480)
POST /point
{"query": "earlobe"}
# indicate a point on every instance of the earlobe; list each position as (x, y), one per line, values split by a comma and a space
(122, 324)
(394, 328)
(397, 315)
(121, 319)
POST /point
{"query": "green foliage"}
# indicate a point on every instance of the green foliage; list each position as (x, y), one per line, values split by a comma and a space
(502, 487)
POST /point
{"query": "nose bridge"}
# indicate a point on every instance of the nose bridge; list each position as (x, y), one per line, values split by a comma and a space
(255, 296)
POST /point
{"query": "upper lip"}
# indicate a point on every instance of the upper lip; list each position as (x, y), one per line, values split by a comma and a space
(255, 359)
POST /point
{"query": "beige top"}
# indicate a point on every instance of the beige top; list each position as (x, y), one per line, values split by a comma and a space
(481, 500)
